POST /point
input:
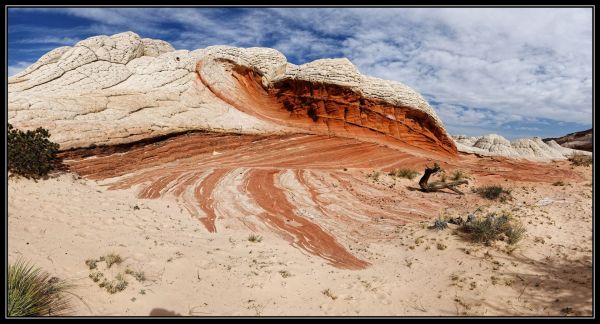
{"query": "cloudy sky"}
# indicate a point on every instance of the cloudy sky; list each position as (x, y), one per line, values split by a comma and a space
(518, 72)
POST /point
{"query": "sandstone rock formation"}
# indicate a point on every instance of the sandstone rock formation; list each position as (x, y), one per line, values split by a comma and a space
(579, 140)
(122, 88)
(532, 149)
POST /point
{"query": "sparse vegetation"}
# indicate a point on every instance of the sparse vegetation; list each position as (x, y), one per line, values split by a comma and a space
(490, 228)
(404, 173)
(32, 292)
(558, 183)
(441, 246)
(515, 233)
(376, 176)
(96, 276)
(440, 224)
(581, 160)
(329, 294)
(111, 259)
(138, 275)
(255, 238)
(459, 175)
(30, 153)
(494, 192)
(116, 285)
(91, 263)
(285, 273)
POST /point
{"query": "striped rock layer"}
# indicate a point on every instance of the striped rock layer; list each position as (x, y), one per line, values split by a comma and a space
(122, 88)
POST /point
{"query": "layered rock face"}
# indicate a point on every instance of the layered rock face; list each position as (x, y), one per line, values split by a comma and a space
(579, 140)
(532, 149)
(122, 88)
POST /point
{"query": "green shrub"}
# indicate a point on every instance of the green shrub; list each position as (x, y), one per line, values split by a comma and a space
(488, 229)
(32, 292)
(494, 192)
(581, 160)
(30, 153)
(515, 233)
(404, 173)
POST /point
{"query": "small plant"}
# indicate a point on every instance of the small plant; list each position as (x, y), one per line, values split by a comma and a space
(404, 173)
(494, 193)
(440, 224)
(91, 263)
(30, 153)
(515, 234)
(285, 273)
(96, 276)
(558, 183)
(138, 275)
(111, 259)
(254, 238)
(581, 160)
(459, 175)
(441, 246)
(376, 176)
(32, 292)
(329, 294)
(114, 286)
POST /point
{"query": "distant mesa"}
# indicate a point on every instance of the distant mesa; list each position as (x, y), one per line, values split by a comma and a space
(119, 89)
(579, 140)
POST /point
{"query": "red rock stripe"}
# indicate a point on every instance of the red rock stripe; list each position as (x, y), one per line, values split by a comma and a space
(279, 214)
(204, 196)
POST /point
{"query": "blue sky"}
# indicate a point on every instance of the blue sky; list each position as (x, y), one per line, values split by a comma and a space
(518, 72)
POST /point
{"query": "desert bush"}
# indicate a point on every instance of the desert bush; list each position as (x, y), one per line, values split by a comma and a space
(30, 153)
(515, 233)
(254, 238)
(111, 259)
(32, 292)
(440, 224)
(581, 160)
(494, 192)
(459, 175)
(558, 183)
(490, 228)
(404, 173)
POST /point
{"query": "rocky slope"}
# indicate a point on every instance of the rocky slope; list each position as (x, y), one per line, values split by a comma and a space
(527, 148)
(579, 140)
(122, 88)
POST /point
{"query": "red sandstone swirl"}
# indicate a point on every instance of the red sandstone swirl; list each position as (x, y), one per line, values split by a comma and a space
(325, 108)
(294, 185)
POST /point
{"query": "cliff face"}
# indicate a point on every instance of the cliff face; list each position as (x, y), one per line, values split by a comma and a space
(579, 140)
(121, 88)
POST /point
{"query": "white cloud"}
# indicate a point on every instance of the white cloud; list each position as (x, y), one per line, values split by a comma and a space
(486, 66)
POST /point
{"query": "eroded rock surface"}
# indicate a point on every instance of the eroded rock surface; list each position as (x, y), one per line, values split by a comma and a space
(530, 148)
(122, 88)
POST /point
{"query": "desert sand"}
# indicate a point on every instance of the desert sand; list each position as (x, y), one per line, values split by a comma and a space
(388, 263)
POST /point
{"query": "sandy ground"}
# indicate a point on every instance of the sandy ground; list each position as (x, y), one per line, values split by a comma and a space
(60, 223)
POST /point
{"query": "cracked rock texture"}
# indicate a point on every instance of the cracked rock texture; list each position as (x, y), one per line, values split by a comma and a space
(123, 88)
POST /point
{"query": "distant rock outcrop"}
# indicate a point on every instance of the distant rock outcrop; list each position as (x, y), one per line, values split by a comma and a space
(579, 140)
(123, 88)
(530, 148)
